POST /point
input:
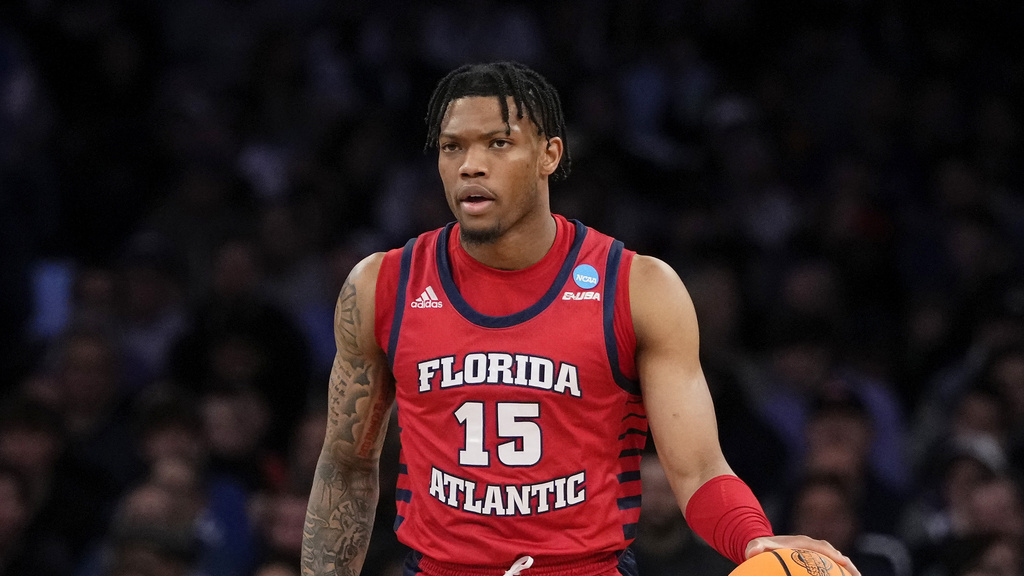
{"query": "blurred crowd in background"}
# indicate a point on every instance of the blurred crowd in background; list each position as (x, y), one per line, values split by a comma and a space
(185, 185)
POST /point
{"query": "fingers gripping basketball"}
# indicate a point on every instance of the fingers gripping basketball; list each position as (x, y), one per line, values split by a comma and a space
(789, 562)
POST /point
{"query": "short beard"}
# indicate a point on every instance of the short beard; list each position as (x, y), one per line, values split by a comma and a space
(479, 237)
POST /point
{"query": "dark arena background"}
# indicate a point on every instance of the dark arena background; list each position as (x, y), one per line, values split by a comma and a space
(185, 184)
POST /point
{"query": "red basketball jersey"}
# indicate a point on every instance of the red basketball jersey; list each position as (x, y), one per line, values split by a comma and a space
(520, 434)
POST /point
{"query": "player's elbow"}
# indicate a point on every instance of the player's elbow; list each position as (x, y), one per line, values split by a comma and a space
(691, 477)
(338, 455)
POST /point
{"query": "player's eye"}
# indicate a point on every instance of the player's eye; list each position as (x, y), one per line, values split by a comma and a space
(501, 143)
(449, 147)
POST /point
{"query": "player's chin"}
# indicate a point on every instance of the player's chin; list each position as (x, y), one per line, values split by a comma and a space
(478, 233)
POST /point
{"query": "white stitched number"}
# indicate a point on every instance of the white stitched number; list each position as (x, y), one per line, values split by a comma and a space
(514, 422)
(471, 415)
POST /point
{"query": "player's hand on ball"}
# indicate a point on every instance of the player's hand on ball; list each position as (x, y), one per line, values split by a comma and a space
(759, 545)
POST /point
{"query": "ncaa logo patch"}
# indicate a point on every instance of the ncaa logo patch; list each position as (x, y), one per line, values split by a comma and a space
(585, 276)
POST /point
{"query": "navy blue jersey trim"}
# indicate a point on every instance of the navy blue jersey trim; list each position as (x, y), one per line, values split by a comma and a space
(629, 531)
(403, 468)
(403, 283)
(630, 452)
(398, 521)
(403, 495)
(628, 476)
(411, 566)
(611, 278)
(632, 431)
(485, 321)
(629, 502)
(627, 562)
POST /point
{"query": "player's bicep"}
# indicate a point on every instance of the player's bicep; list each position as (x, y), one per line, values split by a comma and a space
(679, 407)
(361, 388)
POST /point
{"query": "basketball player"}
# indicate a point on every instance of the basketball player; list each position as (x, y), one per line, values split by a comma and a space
(527, 354)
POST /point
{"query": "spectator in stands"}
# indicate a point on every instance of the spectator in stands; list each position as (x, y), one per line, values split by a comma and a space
(824, 507)
(68, 498)
(19, 551)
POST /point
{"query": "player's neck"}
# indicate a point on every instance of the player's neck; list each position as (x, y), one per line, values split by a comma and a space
(519, 247)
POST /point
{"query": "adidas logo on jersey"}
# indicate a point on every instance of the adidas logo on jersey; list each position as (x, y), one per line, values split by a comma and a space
(427, 300)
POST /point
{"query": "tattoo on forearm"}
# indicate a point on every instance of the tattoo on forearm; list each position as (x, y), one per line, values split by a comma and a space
(343, 500)
(339, 521)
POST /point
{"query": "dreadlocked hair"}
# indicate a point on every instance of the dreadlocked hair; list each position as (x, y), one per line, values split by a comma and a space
(532, 94)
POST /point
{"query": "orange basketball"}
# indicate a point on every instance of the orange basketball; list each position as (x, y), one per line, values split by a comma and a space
(789, 562)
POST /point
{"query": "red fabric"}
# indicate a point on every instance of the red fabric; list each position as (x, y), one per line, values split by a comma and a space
(725, 513)
(601, 564)
(625, 336)
(567, 484)
(384, 297)
(477, 282)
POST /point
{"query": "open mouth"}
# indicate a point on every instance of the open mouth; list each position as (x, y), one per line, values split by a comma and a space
(475, 199)
(474, 205)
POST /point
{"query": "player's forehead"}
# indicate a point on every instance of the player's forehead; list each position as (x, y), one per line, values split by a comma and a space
(481, 115)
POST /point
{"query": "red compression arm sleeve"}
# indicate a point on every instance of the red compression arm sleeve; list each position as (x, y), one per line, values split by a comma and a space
(725, 513)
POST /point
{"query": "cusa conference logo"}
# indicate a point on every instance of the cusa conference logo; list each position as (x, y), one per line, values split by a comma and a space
(585, 276)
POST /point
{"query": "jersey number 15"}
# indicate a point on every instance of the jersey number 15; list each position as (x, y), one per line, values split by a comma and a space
(515, 421)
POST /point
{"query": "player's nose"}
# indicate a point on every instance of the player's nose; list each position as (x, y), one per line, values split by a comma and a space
(473, 163)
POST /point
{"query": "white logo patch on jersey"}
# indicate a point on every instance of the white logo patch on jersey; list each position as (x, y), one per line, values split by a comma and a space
(582, 296)
(428, 299)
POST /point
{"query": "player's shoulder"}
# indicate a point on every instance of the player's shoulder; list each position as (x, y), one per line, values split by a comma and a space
(652, 273)
(381, 270)
(364, 274)
(657, 297)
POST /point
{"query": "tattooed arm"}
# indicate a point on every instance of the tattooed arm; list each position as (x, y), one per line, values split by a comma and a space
(343, 500)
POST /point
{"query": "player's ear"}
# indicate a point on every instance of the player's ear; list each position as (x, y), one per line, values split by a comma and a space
(551, 155)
